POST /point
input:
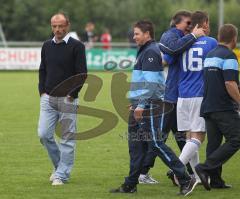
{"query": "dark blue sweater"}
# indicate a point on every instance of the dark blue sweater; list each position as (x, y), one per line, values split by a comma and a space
(60, 62)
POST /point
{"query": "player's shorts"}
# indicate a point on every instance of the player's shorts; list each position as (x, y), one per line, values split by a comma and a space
(188, 115)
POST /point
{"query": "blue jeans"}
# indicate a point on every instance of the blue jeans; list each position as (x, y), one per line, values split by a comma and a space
(52, 111)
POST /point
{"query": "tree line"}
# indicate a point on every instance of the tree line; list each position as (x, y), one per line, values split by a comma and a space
(29, 20)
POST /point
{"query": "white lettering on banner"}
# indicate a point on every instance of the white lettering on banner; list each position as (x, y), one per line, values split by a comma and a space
(20, 58)
(96, 61)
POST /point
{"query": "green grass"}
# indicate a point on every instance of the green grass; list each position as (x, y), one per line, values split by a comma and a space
(101, 163)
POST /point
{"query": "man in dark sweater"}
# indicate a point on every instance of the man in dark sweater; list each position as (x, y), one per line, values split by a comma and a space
(62, 58)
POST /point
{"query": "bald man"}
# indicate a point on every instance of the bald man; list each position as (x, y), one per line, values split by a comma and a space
(62, 57)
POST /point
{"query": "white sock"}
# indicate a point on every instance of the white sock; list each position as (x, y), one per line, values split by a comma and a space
(189, 150)
(193, 162)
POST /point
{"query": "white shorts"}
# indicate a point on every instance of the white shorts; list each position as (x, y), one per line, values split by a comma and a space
(188, 115)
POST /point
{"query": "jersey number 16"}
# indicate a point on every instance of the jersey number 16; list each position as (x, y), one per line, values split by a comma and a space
(194, 56)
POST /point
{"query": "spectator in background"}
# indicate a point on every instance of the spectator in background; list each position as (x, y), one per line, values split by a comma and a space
(106, 39)
(88, 36)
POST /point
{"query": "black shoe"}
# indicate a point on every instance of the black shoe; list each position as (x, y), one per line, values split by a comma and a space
(170, 175)
(124, 189)
(188, 188)
(221, 186)
(203, 177)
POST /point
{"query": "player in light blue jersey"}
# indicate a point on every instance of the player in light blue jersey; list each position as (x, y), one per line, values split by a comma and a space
(146, 94)
(190, 90)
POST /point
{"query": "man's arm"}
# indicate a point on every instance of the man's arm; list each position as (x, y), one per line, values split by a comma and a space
(171, 44)
(233, 90)
(81, 62)
(42, 72)
(168, 60)
(80, 66)
(230, 74)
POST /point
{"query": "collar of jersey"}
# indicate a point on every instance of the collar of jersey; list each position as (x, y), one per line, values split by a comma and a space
(145, 45)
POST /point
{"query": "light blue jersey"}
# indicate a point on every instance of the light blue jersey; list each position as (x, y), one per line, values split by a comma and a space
(191, 67)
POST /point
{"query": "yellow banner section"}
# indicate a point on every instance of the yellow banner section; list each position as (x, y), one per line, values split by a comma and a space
(237, 52)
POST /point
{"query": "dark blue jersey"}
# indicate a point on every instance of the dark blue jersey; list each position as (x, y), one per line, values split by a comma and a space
(173, 42)
(147, 76)
(221, 65)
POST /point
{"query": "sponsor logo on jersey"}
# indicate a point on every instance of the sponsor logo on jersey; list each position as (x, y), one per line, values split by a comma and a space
(201, 42)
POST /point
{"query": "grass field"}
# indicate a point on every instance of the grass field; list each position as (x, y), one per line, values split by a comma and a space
(101, 163)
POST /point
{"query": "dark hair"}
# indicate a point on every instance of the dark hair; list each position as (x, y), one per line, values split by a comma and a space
(227, 32)
(145, 26)
(65, 15)
(199, 17)
(177, 18)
